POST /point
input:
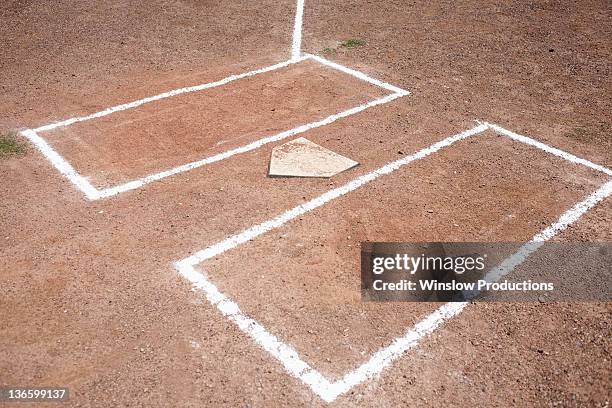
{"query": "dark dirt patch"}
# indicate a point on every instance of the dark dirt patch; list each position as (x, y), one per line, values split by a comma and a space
(598, 134)
(11, 145)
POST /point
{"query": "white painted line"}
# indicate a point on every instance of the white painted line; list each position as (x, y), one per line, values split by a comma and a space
(301, 209)
(62, 165)
(359, 74)
(326, 389)
(108, 192)
(429, 324)
(549, 149)
(94, 194)
(296, 44)
(573, 214)
(567, 219)
(282, 352)
(385, 356)
(168, 94)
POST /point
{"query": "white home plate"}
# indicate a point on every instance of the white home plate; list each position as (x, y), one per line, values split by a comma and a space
(303, 158)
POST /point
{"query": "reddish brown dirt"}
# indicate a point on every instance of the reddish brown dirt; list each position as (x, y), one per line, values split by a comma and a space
(88, 295)
(306, 274)
(192, 126)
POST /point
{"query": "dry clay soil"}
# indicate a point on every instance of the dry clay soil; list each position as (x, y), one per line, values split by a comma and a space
(88, 296)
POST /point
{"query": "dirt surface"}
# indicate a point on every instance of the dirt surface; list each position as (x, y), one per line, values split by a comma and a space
(182, 129)
(306, 274)
(90, 300)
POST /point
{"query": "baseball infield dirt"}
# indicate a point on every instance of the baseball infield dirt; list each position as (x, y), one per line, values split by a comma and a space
(90, 299)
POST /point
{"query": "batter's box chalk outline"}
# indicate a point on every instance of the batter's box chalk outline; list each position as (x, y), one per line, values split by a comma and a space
(92, 193)
(293, 363)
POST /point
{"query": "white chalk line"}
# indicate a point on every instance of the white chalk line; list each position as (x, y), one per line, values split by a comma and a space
(169, 94)
(330, 195)
(359, 74)
(567, 219)
(282, 352)
(549, 149)
(61, 165)
(564, 221)
(429, 324)
(93, 193)
(131, 185)
(286, 355)
(296, 43)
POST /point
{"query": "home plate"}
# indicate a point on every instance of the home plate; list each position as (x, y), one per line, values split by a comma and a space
(303, 158)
